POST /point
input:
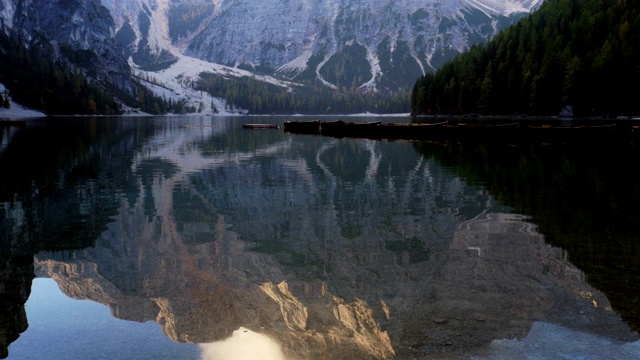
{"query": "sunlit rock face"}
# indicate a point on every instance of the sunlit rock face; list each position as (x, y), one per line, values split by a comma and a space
(497, 278)
(289, 245)
(80, 280)
(325, 323)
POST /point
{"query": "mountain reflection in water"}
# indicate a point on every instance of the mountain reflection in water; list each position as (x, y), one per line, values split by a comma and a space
(331, 248)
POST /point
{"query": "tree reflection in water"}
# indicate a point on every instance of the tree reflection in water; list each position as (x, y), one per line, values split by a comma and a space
(332, 248)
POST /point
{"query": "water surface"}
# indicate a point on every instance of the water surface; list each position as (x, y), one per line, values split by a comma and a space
(172, 232)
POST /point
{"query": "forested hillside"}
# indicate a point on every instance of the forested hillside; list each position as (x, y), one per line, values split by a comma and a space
(259, 97)
(49, 86)
(585, 54)
(62, 87)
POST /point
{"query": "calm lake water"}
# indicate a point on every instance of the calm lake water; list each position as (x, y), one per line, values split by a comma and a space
(193, 238)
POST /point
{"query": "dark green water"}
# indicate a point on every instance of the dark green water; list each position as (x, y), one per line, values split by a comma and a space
(192, 238)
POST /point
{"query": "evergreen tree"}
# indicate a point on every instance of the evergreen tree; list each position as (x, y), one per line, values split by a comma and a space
(261, 98)
(568, 52)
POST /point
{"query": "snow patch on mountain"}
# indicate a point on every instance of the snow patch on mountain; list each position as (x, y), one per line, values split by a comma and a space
(286, 35)
(130, 11)
(15, 110)
(503, 7)
(376, 70)
(7, 14)
(177, 83)
(298, 64)
(299, 38)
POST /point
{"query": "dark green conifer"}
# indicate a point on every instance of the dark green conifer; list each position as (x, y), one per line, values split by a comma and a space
(569, 52)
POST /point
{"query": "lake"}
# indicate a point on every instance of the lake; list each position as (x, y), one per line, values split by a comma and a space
(193, 238)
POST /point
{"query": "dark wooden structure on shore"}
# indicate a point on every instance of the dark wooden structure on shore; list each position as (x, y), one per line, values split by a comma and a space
(508, 132)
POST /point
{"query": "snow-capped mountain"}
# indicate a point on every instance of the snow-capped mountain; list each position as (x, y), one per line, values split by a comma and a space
(389, 42)
(374, 45)
(386, 44)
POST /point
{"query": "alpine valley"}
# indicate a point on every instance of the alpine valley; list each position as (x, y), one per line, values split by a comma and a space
(216, 55)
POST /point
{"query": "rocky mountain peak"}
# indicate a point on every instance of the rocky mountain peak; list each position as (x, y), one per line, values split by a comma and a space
(347, 45)
(367, 44)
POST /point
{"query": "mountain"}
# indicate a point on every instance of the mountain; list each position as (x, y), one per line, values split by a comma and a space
(83, 36)
(570, 55)
(368, 44)
(142, 27)
(61, 57)
(302, 48)
(301, 51)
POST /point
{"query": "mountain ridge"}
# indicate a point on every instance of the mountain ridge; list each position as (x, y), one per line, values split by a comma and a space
(427, 32)
(340, 46)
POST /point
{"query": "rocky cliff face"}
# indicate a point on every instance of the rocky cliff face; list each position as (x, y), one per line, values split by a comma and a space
(383, 44)
(143, 31)
(367, 44)
(340, 44)
(79, 32)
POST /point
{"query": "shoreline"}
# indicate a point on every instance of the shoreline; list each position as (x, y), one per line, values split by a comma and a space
(17, 112)
(524, 117)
